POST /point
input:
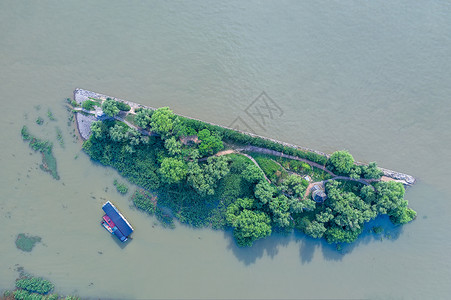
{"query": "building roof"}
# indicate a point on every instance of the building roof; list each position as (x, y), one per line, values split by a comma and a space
(121, 223)
(316, 188)
(319, 195)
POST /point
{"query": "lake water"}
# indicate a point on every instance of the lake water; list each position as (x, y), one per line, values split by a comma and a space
(370, 77)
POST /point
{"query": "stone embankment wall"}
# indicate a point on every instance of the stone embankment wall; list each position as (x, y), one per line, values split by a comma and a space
(84, 123)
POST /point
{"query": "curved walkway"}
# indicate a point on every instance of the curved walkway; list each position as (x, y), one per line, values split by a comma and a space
(281, 154)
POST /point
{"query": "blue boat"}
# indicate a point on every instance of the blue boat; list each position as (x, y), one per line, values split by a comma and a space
(115, 223)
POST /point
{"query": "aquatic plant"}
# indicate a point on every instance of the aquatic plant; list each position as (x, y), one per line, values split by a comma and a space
(39, 121)
(26, 242)
(50, 115)
(45, 147)
(72, 102)
(59, 137)
(35, 285)
(145, 201)
(378, 229)
(120, 187)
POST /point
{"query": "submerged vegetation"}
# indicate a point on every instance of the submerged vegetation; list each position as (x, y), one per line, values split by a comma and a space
(180, 166)
(26, 242)
(45, 148)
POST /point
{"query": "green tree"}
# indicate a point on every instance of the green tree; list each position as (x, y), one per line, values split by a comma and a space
(134, 137)
(350, 211)
(172, 170)
(210, 143)
(173, 146)
(264, 192)
(109, 107)
(98, 129)
(356, 172)
(298, 206)
(315, 229)
(253, 174)
(249, 225)
(142, 118)
(205, 177)
(162, 121)
(279, 208)
(180, 129)
(367, 194)
(118, 133)
(372, 171)
(294, 186)
(340, 235)
(341, 162)
(390, 200)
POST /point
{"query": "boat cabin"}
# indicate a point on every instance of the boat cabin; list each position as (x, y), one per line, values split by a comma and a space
(115, 222)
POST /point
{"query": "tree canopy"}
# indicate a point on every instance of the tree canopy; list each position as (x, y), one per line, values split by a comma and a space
(203, 178)
(110, 108)
(249, 225)
(172, 170)
(341, 162)
(210, 143)
(142, 118)
(162, 121)
(294, 186)
(232, 190)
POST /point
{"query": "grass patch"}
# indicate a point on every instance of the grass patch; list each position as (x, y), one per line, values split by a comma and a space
(272, 170)
(130, 118)
(26, 242)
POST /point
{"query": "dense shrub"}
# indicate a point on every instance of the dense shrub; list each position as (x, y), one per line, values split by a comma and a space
(122, 106)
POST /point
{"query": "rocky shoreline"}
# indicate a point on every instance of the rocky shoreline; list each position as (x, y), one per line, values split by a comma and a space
(84, 121)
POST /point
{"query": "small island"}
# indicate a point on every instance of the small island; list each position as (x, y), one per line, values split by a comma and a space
(213, 176)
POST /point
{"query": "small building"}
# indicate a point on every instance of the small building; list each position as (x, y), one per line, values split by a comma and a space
(318, 194)
(115, 222)
(100, 115)
(307, 177)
